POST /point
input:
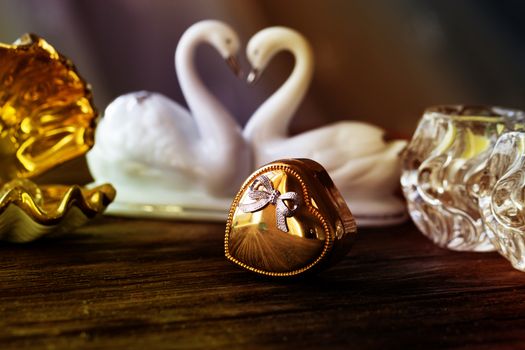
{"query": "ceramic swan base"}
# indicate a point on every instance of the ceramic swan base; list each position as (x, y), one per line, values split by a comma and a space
(377, 212)
(188, 208)
(141, 195)
(166, 161)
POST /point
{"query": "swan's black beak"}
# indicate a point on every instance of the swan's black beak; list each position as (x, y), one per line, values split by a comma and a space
(234, 65)
(253, 76)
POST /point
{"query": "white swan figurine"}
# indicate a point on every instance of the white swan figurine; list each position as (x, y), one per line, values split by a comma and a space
(164, 160)
(364, 167)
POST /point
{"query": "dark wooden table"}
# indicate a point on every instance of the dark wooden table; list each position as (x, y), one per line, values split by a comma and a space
(123, 284)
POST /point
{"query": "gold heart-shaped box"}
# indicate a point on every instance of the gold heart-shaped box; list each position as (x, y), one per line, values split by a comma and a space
(288, 219)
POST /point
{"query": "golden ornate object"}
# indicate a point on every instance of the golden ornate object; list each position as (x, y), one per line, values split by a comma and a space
(288, 219)
(47, 117)
(28, 211)
(47, 114)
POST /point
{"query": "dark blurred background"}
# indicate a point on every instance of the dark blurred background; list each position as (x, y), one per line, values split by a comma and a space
(377, 61)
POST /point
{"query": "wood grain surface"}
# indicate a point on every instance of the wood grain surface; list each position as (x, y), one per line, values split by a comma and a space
(126, 284)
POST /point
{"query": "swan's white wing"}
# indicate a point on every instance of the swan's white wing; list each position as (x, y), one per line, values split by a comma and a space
(336, 144)
(379, 171)
(148, 128)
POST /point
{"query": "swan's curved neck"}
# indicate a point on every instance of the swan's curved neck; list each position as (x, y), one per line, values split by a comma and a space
(216, 125)
(271, 120)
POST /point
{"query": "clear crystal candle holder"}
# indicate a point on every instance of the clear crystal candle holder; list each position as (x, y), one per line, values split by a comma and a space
(502, 197)
(451, 145)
